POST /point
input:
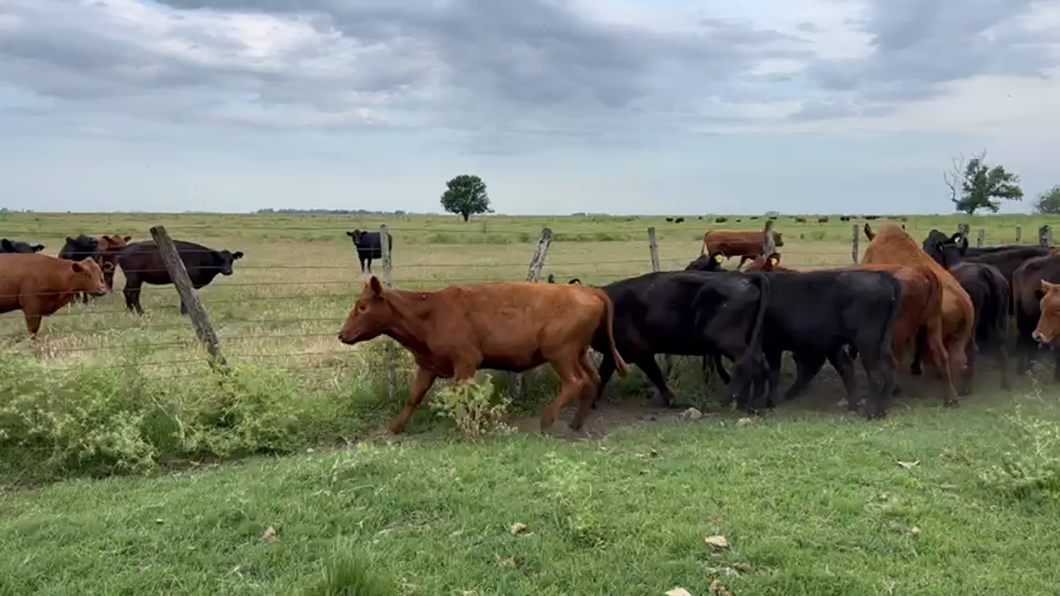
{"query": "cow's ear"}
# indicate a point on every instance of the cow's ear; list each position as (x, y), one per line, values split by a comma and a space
(77, 267)
(350, 234)
(107, 238)
(375, 286)
(237, 255)
(128, 238)
(1046, 286)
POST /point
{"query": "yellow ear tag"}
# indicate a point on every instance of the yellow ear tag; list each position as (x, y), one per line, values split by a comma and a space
(718, 259)
(773, 260)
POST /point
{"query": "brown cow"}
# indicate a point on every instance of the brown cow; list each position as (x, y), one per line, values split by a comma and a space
(822, 220)
(107, 255)
(1048, 329)
(502, 326)
(921, 307)
(893, 246)
(746, 245)
(39, 285)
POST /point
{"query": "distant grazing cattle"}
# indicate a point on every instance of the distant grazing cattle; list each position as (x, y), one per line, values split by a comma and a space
(872, 217)
(753, 217)
(502, 326)
(142, 263)
(679, 220)
(16, 247)
(746, 245)
(39, 285)
(670, 219)
(844, 218)
(892, 245)
(687, 313)
(369, 246)
(817, 314)
(1035, 295)
(738, 220)
(822, 220)
(721, 219)
(800, 220)
(904, 219)
(700, 217)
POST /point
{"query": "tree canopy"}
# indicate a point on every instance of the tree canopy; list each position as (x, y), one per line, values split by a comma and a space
(466, 195)
(1048, 202)
(975, 185)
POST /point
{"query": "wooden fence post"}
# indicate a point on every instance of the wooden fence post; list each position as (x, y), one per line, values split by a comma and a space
(653, 248)
(854, 245)
(981, 238)
(1045, 236)
(769, 246)
(188, 296)
(533, 275)
(963, 229)
(1019, 234)
(388, 281)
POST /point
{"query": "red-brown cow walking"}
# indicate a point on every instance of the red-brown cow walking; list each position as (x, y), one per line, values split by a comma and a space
(39, 285)
(501, 326)
(893, 246)
(746, 245)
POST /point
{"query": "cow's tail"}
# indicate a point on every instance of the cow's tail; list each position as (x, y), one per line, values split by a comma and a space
(754, 345)
(887, 341)
(1003, 301)
(609, 307)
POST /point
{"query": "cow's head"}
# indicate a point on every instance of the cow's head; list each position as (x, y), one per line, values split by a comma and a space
(1048, 329)
(82, 245)
(14, 247)
(358, 236)
(226, 259)
(711, 262)
(87, 277)
(372, 315)
(113, 243)
(764, 264)
(946, 251)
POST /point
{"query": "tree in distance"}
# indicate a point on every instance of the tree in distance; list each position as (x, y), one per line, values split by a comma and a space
(1048, 202)
(466, 195)
(975, 185)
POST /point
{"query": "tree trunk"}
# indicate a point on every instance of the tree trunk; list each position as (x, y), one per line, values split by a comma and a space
(465, 215)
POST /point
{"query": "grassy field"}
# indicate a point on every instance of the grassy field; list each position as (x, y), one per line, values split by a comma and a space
(811, 501)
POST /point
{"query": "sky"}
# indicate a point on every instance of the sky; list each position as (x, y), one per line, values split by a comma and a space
(617, 106)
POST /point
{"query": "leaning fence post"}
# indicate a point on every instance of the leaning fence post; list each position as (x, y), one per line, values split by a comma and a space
(1019, 234)
(963, 230)
(533, 275)
(653, 248)
(388, 281)
(1045, 236)
(769, 244)
(980, 238)
(854, 244)
(188, 296)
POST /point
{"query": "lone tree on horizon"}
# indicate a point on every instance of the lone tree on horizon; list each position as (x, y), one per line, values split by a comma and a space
(975, 185)
(466, 195)
(1048, 202)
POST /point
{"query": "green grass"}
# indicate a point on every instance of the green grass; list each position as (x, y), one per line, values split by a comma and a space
(811, 503)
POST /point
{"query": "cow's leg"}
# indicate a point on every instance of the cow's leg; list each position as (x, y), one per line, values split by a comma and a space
(132, 297)
(971, 351)
(423, 382)
(1001, 354)
(369, 263)
(962, 373)
(588, 393)
(880, 369)
(32, 320)
(607, 368)
(718, 366)
(920, 340)
(941, 358)
(842, 363)
(568, 368)
(807, 369)
(1025, 345)
(361, 259)
(655, 375)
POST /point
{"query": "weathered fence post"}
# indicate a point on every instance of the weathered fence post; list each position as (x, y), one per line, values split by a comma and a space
(533, 275)
(1019, 234)
(963, 230)
(980, 238)
(769, 245)
(1045, 236)
(854, 245)
(388, 281)
(188, 296)
(654, 249)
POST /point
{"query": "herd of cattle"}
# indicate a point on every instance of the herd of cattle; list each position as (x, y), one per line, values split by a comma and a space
(940, 298)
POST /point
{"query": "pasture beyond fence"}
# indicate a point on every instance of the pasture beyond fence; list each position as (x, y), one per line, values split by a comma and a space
(798, 252)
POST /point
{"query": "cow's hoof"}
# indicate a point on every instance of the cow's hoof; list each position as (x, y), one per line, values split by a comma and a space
(951, 403)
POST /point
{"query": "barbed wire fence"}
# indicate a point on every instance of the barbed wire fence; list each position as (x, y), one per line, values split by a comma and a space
(379, 360)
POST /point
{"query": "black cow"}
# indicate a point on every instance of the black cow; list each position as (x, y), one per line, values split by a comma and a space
(679, 220)
(369, 247)
(721, 219)
(670, 219)
(711, 262)
(950, 250)
(142, 263)
(687, 313)
(78, 249)
(1027, 294)
(819, 313)
(16, 247)
(844, 218)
